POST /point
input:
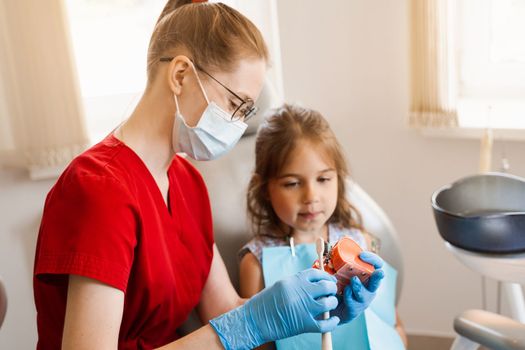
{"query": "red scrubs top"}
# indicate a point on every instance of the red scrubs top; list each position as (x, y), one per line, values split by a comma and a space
(106, 219)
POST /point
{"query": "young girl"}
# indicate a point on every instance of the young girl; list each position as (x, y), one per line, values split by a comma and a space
(297, 194)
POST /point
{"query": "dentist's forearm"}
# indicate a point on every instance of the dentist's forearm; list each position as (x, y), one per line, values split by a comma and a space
(208, 313)
(203, 338)
(218, 295)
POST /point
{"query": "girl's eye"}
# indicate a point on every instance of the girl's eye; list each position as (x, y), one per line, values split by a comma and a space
(291, 184)
(324, 179)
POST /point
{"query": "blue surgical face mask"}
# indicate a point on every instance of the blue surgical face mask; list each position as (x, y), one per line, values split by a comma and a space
(214, 135)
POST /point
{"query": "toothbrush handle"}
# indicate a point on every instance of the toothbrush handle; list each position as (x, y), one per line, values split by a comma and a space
(326, 339)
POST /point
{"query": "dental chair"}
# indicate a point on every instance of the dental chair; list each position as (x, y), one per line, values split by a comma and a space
(227, 180)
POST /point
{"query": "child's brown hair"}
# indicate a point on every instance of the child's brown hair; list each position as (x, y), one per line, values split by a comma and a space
(276, 139)
(215, 35)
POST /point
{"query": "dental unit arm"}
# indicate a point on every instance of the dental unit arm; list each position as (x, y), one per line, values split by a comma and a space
(479, 327)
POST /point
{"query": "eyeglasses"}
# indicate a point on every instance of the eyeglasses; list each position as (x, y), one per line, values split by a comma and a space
(244, 111)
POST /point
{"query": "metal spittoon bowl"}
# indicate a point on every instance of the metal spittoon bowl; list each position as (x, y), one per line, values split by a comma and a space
(482, 220)
(483, 213)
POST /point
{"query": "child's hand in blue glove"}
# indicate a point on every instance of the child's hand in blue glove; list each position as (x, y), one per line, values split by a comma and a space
(287, 308)
(356, 296)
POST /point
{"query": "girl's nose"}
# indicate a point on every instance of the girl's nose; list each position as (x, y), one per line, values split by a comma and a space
(311, 194)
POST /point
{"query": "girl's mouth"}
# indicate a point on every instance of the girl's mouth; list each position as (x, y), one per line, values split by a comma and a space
(309, 215)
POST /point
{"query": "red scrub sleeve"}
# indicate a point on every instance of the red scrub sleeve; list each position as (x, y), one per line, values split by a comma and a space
(88, 228)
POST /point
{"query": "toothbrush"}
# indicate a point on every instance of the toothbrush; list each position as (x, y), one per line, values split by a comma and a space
(326, 340)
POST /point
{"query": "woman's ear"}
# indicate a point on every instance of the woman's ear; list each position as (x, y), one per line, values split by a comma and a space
(178, 70)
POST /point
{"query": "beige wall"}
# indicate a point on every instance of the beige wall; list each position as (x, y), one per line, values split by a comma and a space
(349, 60)
(21, 203)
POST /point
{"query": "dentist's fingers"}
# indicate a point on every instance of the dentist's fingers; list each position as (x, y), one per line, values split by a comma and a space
(356, 290)
(321, 284)
(328, 325)
(315, 275)
(326, 304)
(375, 280)
(323, 289)
(372, 259)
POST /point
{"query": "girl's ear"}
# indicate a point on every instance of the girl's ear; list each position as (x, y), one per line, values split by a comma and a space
(178, 71)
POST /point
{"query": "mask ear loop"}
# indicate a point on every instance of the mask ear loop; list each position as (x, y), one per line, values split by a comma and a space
(200, 84)
(176, 103)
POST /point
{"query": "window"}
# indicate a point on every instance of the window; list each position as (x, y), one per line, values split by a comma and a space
(110, 42)
(491, 62)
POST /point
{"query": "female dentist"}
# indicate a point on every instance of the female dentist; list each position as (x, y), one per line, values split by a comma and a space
(125, 249)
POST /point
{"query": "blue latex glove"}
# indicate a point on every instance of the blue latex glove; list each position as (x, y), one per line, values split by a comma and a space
(287, 308)
(356, 296)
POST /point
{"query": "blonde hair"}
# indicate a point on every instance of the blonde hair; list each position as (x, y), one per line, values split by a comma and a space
(276, 139)
(215, 35)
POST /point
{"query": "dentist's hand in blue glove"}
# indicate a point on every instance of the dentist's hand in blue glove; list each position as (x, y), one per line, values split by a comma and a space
(356, 296)
(287, 308)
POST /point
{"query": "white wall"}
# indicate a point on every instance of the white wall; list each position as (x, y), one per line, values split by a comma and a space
(21, 203)
(349, 60)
